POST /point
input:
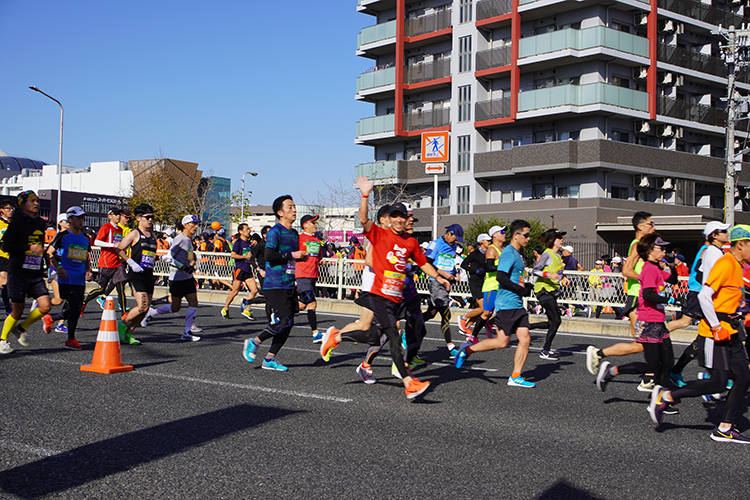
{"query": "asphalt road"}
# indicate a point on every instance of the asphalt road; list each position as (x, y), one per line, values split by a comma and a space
(195, 420)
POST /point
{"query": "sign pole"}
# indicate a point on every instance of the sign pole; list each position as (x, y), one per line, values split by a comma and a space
(434, 206)
(434, 153)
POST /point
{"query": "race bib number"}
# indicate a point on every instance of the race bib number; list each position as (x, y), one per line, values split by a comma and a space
(77, 252)
(446, 262)
(148, 259)
(116, 238)
(313, 248)
(393, 284)
(191, 255)
(291, 266)
(32, 261)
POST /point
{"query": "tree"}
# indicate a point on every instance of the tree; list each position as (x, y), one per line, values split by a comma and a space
(481, 225)
(237, 201)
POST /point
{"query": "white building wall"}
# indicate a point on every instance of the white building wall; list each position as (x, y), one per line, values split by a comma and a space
(108, 178)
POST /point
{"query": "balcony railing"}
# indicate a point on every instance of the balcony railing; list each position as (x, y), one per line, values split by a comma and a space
(491, 110)
(686, 110)
(690, 59)
(597, 36)
(429, 23)
(703, 12)
(376, 33)
(492, 8)
(418, 120)
(379, 170)
(583, 95)
(493, 58)
(377, 78)
(423, 72)
(376, 125)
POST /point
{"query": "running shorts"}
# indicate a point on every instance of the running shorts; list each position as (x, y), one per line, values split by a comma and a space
(631, 304)
(721, 355)
(647, 332)
(240, 275)
(182, 288)
(19, 288)
(282, 301)
(438, 294)
(509, 320)
(475, 287)
(489, 301)
(385, 310)
(4, 264)
(142, 282)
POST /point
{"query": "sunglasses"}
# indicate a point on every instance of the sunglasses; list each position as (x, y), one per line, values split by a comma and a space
(148, 216)
(723, 231)
(525, 235)
(652, 224)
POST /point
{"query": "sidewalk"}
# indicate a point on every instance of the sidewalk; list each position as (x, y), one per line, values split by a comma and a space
(588, 326)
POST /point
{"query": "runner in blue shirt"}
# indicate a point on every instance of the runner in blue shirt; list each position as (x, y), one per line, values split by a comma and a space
(70, 258)
(442, 254)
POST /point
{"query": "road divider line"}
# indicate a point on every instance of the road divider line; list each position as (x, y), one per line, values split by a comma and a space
(28, 449)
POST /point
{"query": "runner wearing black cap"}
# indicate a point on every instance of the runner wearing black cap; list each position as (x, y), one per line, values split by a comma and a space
(243, 272)
(442, 254)
(548, 270)
(111, 272)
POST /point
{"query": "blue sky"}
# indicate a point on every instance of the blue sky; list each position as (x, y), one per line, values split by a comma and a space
(232, 85)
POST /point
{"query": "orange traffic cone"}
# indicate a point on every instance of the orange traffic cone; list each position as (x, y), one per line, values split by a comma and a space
(609, 309)
(107, 355)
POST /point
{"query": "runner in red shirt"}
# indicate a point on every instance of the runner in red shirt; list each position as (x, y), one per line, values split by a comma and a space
(110, 265)
(391, 248)
(307, 273)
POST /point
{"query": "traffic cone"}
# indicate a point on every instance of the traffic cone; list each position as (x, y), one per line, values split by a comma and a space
(107, 355)
(609, 309)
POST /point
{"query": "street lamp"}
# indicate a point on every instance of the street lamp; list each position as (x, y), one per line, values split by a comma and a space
(59, 157)
(242, 206)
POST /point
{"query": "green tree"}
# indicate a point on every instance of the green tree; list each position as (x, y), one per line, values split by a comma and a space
(481, 225)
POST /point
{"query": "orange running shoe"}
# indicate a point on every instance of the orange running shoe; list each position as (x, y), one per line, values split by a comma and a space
(329, 343)
(48, 323)
(416, 387)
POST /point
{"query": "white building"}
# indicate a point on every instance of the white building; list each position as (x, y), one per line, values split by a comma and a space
(107, 178)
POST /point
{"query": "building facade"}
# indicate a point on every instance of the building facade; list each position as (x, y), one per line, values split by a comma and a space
(577, 112)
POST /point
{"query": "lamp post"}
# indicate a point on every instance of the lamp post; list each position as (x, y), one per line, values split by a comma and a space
(242, 206)
(59, 156)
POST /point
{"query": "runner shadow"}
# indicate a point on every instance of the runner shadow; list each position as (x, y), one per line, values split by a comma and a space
(562, 490)
(541, 372)
(111, 456)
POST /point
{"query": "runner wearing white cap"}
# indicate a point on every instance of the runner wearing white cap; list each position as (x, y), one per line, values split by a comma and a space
(490, 285)
(474, 265)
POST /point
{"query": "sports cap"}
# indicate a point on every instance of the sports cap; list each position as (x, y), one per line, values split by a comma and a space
(715, 225)
(190, 218)
(483, 237)
(616, 260)
(496, 229)
(62, 217)
(568, 248)
(660, 242)
(26, 196)
(74, 211)
(599, 263)
(739, 232)
(309, 218)
(457, 231)
(398, 208)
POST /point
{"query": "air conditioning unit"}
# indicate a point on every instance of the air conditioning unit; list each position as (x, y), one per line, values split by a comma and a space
(640, 19)
(679, 29)
(667, 131)
(410, 154)
(641, 127)
(678, 132)
(665, 183)
(549, 138)
(668, 26)
(679, 80)
(643, 181)
(640, 72)
(666, 78)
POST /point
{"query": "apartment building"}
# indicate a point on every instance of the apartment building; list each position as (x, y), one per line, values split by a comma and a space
(585, 111)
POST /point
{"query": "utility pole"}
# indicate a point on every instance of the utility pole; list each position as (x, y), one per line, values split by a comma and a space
(735, 55)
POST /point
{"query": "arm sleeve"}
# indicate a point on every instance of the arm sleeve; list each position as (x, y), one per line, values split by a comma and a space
(272, 248)
(541, 264)
(706, 300)
(651, 295)
(709, 259)
(504, 279)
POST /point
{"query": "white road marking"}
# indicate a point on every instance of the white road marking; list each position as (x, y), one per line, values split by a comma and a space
(28, 449)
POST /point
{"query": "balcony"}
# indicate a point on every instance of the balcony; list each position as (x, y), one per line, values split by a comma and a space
(691, 59)
(376, 125)
(493, 8)
(686, 110)
(492, 110)
(573, 39)
(376, 33)
(428, 24)
(426, 71)
(377, 78)
(378, 170)
(493, 58)
(583, 95)
(702, 12)
(419, 120)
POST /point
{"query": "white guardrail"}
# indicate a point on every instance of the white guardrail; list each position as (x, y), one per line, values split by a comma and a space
(579, 287)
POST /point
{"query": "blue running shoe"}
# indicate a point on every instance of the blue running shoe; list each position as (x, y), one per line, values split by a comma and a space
(520, 382)
(677, 379)
(453, 353)
(317, 338)
(730, 384)
(243, 303)
(273, 364)
(249, 350)
(461, 356)
(403, 338)
(61, 329)
(101, 301)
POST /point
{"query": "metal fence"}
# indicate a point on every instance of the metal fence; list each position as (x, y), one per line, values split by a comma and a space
(579, 288)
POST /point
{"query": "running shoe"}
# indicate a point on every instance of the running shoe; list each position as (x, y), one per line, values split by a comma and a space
(125, 338)
(188, 337)
(195, 329)
(730, 384)
(273, 319)
(730, 436)
(646, 386)
(550, 355)
(603, 377)
(592, 360)
(416, 387)
(317, 337)
(471, 339)
(248, 315)
(328, 343)
(491, 330)
(73, 345)
(249, 350)
(83, 309)
(35, 304)
(453, 352)
(395, 372)
(147, 317)
(47, 323)
(101, 301)
(19, 332)
(462, 321)
(677, 379)
(671, 409)
(5, 347)
(520, 382)
(708, 397)
(61, 329)
(273, 364)
(538, 309)
(225, 313)
(418, 361)
(657, 405)
(365, 374)
(587, 311)
(458, 362)
(244, 303)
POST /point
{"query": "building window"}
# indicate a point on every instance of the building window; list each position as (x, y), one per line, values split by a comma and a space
(462, 193)
(465, 12)
(567, 192)
(620, 193)
(464, 103)
(464, 54)
(464, 155)
(619, 81)
(91, 221)
(620, 136)
(506, 196)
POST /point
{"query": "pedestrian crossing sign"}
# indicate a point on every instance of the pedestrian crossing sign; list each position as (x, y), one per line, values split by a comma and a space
(434, 147)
